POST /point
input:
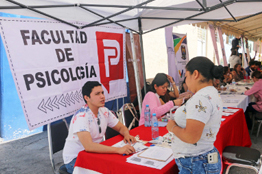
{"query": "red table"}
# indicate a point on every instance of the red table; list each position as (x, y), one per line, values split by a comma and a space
(233, 131)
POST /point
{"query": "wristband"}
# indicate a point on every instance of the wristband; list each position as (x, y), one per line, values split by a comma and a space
(173, 102)
(173, 127)
(173, 83)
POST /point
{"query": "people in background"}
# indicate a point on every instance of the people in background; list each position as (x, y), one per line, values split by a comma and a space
(236, 44)
(234, 59)
(196, 123)
(89, 125)
(258, 64)
(170, 95)
(183, 87)
(227, 76)
(159, 88)
(256, 90)
(238, 72)
(250, 68)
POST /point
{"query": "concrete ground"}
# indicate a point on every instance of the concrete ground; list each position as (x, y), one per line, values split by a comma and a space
(30, 155)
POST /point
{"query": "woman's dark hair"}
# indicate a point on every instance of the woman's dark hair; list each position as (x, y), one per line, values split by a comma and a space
(236, 65)
(205, 67)
(160, 79)
(256, 74)
(225, 70)
(233, 52)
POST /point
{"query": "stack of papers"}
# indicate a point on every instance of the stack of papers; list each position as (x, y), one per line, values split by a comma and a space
(154, 157)
(230, 110)
(138, 146)
(226, 114)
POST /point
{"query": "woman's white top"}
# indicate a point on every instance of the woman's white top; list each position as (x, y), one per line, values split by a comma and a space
(205, 106)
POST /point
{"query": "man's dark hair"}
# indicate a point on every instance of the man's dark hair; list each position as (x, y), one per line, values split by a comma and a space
(252, 62)
(88, 87)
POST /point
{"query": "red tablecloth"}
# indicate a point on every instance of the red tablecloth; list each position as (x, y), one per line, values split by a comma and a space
(233, 131)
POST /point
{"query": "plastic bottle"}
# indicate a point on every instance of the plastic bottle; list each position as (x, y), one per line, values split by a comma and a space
(147, 116)
(234, 83)
(154, 127)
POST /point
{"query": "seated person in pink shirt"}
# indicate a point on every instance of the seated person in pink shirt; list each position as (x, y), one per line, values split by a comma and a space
(256, 90)
(159, 86)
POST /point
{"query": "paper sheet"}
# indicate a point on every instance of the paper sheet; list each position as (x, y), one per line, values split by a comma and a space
(223, 119)
(157, 153)
(162, 124)
(230, 110)
(134, 159)
(226, 114)
(138, 146)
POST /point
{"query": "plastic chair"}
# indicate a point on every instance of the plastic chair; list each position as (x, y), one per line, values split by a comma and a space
(57, 134)
(242, 157)
(257, 117)
(130, 116)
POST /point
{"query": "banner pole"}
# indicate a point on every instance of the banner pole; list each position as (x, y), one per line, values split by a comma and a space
(138, 88)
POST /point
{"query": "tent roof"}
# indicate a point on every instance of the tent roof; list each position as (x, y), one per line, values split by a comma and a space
(140, 16)
(250, 27)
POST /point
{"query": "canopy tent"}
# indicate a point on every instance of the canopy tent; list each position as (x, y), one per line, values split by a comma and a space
(250, 27)
(139, 16)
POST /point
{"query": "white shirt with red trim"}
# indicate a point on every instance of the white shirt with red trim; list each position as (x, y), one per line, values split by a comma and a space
(85, 120)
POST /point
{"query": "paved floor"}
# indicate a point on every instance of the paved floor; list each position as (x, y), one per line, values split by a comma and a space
(31, 156)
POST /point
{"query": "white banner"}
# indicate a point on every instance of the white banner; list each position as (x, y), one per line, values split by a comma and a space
(177, 55)
(213, 36)
(222, 45)
(51, 61)
(244, 59)
(172, 63)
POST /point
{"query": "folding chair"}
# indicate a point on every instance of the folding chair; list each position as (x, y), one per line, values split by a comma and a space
(109, 131)
(130, 116)
(57, 133)
(242, 157)
(257, 117)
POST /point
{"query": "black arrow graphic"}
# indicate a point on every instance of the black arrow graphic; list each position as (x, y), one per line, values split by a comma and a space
(76, 97)
(72, 99)
(61, 100)
(47, 104)
(67, 100)
(53, 103)
(40, 106)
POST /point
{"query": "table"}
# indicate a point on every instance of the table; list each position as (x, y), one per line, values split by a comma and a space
(233, 131)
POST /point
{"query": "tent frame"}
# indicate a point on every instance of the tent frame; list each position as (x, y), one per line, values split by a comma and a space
(202, 9)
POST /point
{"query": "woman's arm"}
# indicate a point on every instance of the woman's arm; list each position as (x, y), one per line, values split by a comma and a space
(255, 88)
(174, 93)
(185, 87)
(190, 134)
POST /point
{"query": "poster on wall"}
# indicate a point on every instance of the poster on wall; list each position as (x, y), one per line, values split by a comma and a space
(51, 61)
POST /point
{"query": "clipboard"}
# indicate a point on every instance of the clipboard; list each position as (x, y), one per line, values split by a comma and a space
(156, 153)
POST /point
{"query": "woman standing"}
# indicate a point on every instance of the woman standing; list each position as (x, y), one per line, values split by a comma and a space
(238, 73)
(196, 123)
(256, 90)
(159, 86)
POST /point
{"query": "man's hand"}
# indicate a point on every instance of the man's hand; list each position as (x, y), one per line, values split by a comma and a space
(127, 149)
(129, 139)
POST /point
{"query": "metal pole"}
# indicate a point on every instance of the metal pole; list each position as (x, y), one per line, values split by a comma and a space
(138, 89)
(117, 104)
(142, 52)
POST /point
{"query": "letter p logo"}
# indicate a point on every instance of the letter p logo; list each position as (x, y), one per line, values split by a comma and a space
(110, 56)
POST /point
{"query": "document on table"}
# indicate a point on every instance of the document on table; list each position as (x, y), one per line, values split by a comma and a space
(138, 146)
(226, 114)
(135, 159)
(231, 101)
(157, 153)
(223, 119)
(230, 110)
(162, 124)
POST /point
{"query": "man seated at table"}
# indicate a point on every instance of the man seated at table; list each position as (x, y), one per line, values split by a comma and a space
(88, 126)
